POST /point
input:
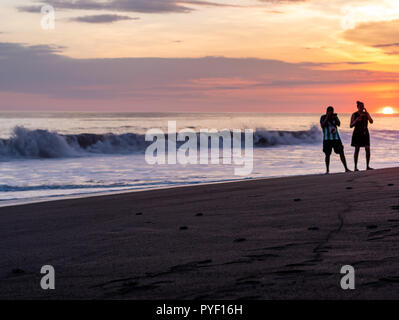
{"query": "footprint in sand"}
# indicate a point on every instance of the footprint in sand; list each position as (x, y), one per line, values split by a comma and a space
(17, 271)
(378, 233)
(139, 214)
(183, 228)
(240, 240)
(261, 257)
(289, 272)
(395, 208)
(199, 214)
(297, 200)
(349, 188)
(390, 184)
(392, 279)
(249, 282)
(375, 238)
(313, 228)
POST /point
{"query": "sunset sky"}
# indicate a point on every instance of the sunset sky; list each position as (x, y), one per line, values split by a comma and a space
(199, 55)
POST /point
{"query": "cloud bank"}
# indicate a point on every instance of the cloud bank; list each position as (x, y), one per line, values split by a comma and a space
(142, 6)
(165, 84)
(103, 18)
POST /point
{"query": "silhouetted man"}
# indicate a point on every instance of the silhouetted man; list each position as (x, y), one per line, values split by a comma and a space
(331, 139)
(361, 135)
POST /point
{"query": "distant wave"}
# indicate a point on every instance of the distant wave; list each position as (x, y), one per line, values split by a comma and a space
(265, 138)
(26, 143)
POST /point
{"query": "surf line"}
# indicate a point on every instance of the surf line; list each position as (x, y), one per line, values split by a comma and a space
(232, 146)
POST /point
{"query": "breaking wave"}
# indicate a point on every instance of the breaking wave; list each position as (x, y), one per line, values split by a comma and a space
(26, 143)
(264, 138)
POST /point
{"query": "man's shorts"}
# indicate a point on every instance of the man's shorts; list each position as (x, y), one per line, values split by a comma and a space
(329, 145)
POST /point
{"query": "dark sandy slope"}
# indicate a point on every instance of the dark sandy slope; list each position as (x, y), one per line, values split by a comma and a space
(268, 239)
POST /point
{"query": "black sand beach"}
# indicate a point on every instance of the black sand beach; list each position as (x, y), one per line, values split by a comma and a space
(283, 238)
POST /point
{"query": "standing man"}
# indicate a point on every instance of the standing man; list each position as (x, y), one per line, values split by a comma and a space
(331, 140)
(361, 135)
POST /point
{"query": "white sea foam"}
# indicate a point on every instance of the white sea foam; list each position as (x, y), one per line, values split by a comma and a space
(77, 154)
(39, 143)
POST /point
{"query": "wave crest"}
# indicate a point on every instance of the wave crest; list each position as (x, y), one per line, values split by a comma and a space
(38, 143)
(265, 138)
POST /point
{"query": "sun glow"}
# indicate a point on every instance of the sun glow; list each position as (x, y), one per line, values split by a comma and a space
(388, 110)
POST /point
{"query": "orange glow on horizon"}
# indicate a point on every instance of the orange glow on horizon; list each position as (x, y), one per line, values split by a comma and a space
(388, 110)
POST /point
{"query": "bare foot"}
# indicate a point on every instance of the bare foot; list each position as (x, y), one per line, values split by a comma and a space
(369, 168)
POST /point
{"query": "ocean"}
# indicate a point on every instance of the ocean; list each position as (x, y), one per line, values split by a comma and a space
(53, 155)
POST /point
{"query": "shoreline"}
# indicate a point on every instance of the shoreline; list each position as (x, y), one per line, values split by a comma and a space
(279, 238)
(108, 193)
(23, 202)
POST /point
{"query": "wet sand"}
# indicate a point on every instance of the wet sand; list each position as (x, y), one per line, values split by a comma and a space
(283, 238)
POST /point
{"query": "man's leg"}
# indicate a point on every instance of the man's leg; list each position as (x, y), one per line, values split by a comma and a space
(343, 159)
(328, 163)
(368, 156)
(356, 156)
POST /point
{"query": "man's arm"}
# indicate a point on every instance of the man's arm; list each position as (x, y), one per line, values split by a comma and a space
(323, 122)
(368, 116)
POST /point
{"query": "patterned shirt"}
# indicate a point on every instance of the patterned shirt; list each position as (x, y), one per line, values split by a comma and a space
(330, 132)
